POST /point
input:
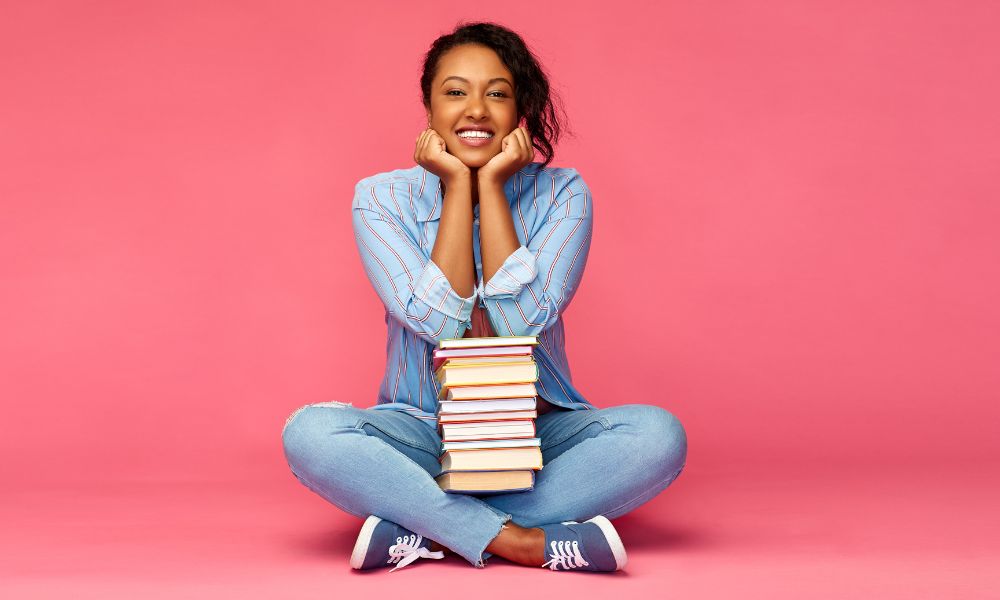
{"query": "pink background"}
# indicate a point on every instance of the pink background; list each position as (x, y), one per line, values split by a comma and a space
(795, 201)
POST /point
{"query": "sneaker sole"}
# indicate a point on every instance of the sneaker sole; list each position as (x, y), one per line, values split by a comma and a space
(364, 540)
(617, 547)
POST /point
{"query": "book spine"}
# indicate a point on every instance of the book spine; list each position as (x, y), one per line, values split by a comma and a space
(506, 436)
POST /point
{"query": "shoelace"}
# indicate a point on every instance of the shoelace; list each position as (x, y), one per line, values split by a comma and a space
(566, 555)
(407, 549)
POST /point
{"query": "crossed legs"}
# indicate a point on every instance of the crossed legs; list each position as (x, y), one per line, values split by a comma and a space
(383, 462)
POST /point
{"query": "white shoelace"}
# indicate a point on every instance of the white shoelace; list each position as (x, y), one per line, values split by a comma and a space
(407, 549)
(566, 555)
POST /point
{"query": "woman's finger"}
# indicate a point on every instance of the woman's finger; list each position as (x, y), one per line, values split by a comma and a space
(518, 143)
(422, 144)
(522, 142)
(428, 146)
(434, 142)
(528, 147)
(416, 146)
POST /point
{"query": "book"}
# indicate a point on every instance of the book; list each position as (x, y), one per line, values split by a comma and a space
(484, 374)
(486, 417)
(492, 459)
(472, 406)
(486, 411)
(508, 390)
(471, 482)
(441, 355)
(488, 342)
(522, 428)
(490, 444)
(486, 360)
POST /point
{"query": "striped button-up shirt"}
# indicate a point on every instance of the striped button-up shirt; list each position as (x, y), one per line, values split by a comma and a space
(396, 216)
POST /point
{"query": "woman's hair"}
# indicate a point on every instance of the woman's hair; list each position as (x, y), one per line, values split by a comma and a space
(531, 86)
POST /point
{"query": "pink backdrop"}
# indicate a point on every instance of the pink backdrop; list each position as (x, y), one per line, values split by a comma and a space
(797, 201)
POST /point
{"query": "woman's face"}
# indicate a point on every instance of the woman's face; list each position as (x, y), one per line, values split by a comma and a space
(472, 89)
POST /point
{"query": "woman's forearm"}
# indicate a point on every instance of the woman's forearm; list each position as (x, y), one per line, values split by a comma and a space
(452, 251)
(497, 238)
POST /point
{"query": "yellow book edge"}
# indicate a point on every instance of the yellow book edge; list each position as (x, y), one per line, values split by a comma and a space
(512, 363)
(445, 388)
(479, 365)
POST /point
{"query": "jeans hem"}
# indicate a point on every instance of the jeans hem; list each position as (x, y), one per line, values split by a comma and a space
(480, 561)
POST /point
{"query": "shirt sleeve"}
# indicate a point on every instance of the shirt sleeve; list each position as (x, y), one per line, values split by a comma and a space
(411, 286)
(535, 284)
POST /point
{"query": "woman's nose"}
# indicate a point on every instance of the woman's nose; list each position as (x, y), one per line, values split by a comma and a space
(475, 108)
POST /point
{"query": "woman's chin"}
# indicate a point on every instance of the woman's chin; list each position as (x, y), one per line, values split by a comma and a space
(474, 162)
(473, 157)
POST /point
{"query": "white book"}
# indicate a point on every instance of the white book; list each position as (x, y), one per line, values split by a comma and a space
(486, 417)
(452, 432)
(486, 444)
(474, 406)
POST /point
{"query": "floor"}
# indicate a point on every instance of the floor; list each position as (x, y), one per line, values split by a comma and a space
(785, 533)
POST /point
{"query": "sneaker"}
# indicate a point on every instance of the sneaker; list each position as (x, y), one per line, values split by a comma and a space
(382, 543)
(593, 545)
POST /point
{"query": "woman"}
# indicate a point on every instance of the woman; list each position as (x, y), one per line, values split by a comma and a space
(478, 240)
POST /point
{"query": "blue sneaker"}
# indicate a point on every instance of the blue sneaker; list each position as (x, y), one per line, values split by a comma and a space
(593, 545)
(382, 543)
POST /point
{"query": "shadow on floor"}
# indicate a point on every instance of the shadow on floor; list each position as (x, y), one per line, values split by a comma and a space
(637, 532)
(338, 542)
(643, 532)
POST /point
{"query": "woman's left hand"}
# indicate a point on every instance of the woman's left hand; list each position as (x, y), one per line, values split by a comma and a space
(516, 152)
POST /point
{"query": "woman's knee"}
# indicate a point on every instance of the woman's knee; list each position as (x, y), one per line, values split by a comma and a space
(662, 437)
(310, 424)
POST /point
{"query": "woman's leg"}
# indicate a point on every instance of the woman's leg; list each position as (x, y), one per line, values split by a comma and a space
(383, 462)
(599, 462)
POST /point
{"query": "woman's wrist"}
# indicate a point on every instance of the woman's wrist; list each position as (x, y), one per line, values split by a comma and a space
(463, 177)
(485, 179)
(489, 183)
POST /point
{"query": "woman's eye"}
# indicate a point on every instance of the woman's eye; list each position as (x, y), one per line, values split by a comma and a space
(495, 94)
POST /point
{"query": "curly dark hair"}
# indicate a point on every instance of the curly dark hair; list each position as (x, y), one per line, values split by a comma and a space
(536, 102)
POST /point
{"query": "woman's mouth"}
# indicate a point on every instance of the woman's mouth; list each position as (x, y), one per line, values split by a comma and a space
(475, 139)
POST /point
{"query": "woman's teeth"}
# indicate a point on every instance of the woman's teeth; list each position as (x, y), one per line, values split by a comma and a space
(475, 134)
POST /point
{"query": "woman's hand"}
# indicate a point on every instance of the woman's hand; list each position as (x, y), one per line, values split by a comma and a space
(431, 153)
(516, 152)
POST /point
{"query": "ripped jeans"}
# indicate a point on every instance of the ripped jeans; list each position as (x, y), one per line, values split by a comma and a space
(383, 462)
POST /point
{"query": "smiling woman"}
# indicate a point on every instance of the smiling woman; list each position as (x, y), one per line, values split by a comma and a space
(478, 240)
(483, 61)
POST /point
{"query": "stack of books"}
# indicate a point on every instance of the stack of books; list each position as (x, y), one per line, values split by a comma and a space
(486, 414)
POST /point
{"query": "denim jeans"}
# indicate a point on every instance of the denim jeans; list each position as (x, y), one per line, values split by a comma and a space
(383, 462)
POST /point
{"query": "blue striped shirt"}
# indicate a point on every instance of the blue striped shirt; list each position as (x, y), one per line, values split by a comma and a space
(396, 216)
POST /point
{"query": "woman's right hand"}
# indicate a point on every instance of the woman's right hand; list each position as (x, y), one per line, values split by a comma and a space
(431, 153)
